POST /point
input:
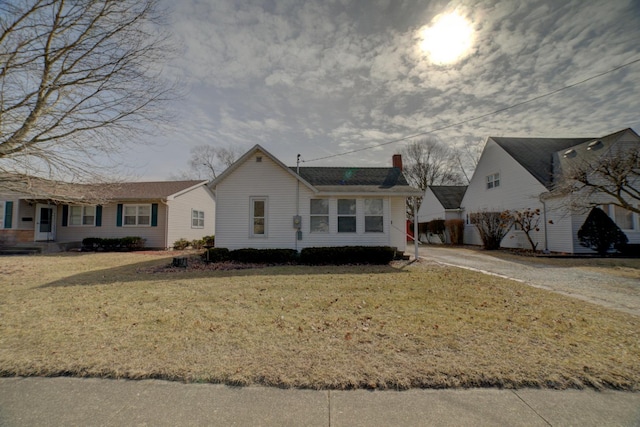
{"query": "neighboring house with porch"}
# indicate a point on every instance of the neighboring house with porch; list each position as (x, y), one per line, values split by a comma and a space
(261, 203)
(519, 173)
(441, 202)
(160, 212)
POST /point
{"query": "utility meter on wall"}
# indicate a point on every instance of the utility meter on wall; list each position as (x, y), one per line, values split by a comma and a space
(297, 222)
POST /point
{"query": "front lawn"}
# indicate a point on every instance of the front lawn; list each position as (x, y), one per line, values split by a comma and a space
(114, 315)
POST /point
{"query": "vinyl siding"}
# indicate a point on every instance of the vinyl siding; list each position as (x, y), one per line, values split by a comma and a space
(518, 190)
(267, 179)
(179, 213)
(155, 236)
(430, 208)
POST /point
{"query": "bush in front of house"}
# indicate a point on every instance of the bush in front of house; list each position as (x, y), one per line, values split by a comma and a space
(209, 240)
(181, 244)
(600, 233)
(342, 255)
(129, 243)
(216, 255)
(264, 256)
(455, 227)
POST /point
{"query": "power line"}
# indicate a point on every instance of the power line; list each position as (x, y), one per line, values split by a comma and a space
(482, 116)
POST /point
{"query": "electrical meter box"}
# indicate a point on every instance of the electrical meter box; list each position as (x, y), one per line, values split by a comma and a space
(297, 222)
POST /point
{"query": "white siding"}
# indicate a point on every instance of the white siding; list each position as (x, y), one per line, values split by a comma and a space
(179, 212)
(560, 226)
(430, 208)
(268, 179)
(518, 190)
(155, 236)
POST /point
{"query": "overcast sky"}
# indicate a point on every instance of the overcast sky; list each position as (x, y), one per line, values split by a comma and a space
(325, 77)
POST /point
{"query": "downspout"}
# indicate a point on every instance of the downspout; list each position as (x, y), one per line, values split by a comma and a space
(166, 223)
(544, 218)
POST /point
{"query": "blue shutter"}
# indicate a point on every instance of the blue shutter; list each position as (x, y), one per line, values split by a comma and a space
(99, 216)
(8, 214)
(65, 215)
(119, 216)
(154, 214)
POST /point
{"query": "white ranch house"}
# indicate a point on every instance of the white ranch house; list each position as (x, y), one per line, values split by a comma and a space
(261, 203)
(160, 212)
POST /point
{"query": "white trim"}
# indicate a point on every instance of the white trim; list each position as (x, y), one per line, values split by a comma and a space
(82, 216)
(252, 218)
(137, 216)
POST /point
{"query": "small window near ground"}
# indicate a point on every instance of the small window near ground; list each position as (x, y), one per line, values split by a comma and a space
(373, 216)
(346, 215)
(197, 219)
(493, 181)
(137, 215)
(258, 217)
(319, 219)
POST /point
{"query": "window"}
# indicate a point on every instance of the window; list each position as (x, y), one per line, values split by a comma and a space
(197, 219)
(493, 181)
(346, 215)
(621, 216)
(137, 215)
(82, 215)
(373, 216)
(258, 217)
(2, 208)
(319, 219)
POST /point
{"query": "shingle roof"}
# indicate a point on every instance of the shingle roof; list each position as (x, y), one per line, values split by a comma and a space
(536, 154)
(341, 176)
(357, 180)
(149, 190)
(449, 196)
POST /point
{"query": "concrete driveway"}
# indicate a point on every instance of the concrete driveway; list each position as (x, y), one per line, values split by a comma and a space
(604, 289)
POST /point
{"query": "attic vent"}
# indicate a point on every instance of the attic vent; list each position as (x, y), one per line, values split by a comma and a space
(570, 153)
(594, 145)
(259, 159)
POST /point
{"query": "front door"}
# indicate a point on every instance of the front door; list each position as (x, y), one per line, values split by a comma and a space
(45, 223)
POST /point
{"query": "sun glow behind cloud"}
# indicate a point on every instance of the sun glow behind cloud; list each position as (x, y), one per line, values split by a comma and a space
(448, 39)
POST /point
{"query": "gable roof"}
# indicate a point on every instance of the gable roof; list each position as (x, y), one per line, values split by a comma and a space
(65, 192)
(330, 180)
(536, 154)
(151, 190)
(449, 196)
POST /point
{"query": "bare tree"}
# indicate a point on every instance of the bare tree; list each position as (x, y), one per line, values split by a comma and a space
(79, 80)
(613, 177)
(430, 162)
(208, 161)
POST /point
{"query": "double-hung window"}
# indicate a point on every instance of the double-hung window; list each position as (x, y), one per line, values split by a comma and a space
(197, 219)
(373, 216)
(622, 217)
(137, 215)
(258, 217)
(82, 215)
(319, 219)
(493, 181)
(346, 215)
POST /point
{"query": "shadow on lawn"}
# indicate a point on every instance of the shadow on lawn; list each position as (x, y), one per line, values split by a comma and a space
(161, 271)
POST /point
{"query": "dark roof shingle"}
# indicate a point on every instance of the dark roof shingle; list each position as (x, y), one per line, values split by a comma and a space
(449, 196)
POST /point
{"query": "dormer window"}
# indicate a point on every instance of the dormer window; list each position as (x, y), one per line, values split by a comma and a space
(493, 181)
(570, 153)
(594, 145)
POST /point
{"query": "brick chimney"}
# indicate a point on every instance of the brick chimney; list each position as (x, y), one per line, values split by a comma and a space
(397, 161)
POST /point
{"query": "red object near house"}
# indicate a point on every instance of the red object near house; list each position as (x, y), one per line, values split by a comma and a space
(409, 230)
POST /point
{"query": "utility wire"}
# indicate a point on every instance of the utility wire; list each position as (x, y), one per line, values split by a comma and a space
(482, 116)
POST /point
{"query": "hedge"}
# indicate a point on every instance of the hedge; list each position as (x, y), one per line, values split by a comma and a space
(340, 255)
(129, 243)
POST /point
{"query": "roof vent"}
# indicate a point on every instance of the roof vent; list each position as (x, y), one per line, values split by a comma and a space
(594, 145)
(570, 153)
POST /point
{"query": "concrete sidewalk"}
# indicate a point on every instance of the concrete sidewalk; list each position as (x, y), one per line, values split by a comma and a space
(72, 401)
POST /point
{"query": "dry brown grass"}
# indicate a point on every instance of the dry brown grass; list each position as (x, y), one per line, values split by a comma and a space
(324, 327)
